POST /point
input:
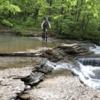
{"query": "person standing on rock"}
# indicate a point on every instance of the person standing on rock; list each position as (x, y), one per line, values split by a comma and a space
(44, 25)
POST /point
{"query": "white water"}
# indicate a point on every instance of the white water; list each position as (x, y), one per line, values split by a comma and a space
(89, 75)
(95, 49)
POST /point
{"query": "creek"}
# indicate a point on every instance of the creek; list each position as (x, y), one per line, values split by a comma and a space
(87, 67)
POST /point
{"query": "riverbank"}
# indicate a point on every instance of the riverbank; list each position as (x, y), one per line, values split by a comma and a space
(27, 33)
(37, 33)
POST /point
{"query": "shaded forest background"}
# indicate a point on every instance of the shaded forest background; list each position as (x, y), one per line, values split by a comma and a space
(73, 19)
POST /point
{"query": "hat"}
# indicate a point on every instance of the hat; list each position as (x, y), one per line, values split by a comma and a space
(47, 18)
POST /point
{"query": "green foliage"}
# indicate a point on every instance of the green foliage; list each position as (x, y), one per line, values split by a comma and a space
(69, 18)
(7, 22)
(6, 7)
(18, 30)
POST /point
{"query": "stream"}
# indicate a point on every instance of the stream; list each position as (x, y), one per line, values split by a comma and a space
(9, 44)
(87, 68)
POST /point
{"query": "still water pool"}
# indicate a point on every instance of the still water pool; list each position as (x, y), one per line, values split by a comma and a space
(10, 44)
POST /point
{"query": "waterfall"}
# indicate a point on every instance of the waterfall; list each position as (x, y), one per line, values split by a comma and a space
(90, 61)
(88, 74)
(95, 49)
(97, 42)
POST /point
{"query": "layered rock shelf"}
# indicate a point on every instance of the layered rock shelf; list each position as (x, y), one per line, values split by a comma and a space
(10, 84)
(57, 52)
(15, 82)
(64, 50)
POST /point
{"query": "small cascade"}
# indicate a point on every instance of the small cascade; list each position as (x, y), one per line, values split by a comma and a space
(88, 74)
(97, 42)
(95, 49)
(90, 61)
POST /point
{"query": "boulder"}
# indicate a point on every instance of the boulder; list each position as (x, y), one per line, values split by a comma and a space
(73, 48)
(64, 50)
(33, 79)
(43, 69)
(53, 54)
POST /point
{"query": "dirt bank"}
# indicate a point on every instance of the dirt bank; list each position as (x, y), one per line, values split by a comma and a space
(28, 33)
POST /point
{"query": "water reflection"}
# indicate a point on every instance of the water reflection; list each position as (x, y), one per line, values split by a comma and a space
(15, 44)
(44, 44)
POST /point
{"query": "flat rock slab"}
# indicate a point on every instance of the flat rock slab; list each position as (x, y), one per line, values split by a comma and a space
(43, 69)
(33, 79)
(9, 86)
(16, 72)
(67, 45)
(29, 53)
(63, 88)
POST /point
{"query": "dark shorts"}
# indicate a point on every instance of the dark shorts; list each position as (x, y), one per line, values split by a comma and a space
(43, 30)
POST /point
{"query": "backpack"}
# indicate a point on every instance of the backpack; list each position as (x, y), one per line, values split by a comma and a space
(45, 24)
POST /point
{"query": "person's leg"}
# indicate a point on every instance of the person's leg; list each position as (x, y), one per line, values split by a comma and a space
(46, 35)
(42, 33)
(43, 30)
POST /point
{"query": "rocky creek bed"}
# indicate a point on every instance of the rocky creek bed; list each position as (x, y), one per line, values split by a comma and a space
(63, 87)
(34, 83)
(10, 86)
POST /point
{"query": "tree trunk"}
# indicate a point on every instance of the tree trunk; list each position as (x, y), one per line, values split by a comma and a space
(50, 7)
(85, 26)
(77, 19)
(62, 9)
(25, 16)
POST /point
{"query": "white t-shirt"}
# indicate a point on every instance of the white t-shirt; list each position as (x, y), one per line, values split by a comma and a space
(44, 22)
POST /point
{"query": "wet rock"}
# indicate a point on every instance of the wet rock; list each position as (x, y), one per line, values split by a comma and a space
(96, 42)
(53, 54)
(27, 87)
(33, 79)
(64, 50)
(43, 69)
(73, 48)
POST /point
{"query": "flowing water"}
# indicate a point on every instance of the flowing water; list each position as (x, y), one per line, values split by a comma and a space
(95, 49)
(86, 68)
(87, 74)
